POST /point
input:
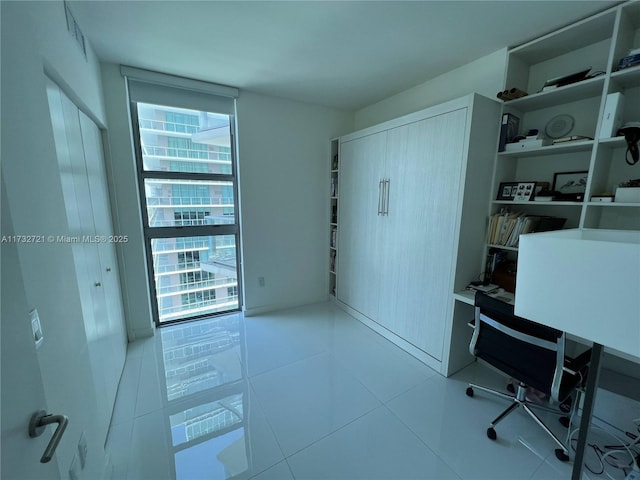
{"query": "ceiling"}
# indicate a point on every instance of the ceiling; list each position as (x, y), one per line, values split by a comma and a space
(344, 54)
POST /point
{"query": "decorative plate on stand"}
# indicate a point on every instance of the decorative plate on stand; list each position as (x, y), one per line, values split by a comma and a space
(559, 126)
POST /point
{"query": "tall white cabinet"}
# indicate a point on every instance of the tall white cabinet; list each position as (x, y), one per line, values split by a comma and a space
(83, 178)
(413, 195)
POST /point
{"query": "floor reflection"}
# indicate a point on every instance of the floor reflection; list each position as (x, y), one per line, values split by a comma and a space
(206, 396)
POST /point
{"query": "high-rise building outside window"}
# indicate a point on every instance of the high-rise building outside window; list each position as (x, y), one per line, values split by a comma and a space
(190, 211)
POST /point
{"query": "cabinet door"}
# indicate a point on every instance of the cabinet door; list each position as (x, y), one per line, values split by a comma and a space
(79, 152)
(424, 161)
(360, 258)
(113, 334)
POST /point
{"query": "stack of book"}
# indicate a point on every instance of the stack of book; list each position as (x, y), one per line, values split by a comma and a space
(334, 186)
(505, 228)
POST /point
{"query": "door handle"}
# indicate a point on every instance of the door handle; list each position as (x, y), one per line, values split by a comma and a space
(380, 197)
(38, 423)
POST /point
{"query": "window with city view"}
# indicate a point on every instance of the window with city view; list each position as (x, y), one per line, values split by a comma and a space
(188, 185)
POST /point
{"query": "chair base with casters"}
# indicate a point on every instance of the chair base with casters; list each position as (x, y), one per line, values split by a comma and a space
(531, 354)
(519, 400)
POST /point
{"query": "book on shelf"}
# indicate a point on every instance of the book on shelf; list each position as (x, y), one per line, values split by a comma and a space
(334, 186)
(482, 287)
(334, 233)
(332, 261)
(505, 228)
(508, 130)
(570, 138)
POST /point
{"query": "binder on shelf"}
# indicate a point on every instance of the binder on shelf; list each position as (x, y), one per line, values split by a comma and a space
(508, 130)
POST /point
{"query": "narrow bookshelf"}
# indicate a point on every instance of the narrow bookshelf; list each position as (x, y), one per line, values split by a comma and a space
(333, 212)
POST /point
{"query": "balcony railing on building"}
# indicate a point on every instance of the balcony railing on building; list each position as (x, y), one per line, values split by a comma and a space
(190, 154)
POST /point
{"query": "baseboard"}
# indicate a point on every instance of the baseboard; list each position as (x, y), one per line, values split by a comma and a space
(253, 311)
(424, 357)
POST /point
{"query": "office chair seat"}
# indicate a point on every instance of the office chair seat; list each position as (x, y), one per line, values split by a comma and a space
(530, 353)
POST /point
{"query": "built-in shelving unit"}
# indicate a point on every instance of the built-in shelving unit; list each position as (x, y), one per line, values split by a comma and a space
(333, 212)
(598, 42)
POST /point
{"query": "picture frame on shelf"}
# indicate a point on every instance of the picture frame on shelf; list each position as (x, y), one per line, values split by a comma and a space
(524, 191)
(519, 191)
(507, 190)
(570, 185)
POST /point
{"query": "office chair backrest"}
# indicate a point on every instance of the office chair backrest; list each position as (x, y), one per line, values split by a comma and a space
(529, 352)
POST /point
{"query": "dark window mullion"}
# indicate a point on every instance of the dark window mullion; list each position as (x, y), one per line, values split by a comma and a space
(216, 177)
(191, 231)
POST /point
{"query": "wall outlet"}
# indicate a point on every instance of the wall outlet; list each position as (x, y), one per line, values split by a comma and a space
(261, 281)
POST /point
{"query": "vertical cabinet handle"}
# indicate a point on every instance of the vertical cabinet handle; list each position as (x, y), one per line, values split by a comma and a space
(37, 424)
(385, 200)
(388, 188)
(380, 197)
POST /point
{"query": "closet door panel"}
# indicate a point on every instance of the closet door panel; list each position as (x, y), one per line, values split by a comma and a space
(360, 256)
(89, 274)
(424, 162)
(113, 335)
(80, 159)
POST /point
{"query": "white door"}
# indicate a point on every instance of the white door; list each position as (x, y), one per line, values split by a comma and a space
(359, 257)
(79, 152)
(112, 333)
(424, 162)
(22, 389)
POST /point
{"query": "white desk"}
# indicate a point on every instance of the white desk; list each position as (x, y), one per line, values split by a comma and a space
(585, 283)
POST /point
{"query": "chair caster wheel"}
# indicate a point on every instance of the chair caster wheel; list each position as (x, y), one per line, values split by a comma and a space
(564, 421)
(560, 455)
(469, 392)
(491, 433)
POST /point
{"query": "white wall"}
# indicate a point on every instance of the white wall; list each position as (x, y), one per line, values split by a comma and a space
(283, 154)
(35, 39)
(126, 202)
(484, 76)
(284, 180)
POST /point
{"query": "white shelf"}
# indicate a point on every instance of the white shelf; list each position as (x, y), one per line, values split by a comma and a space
(613, 205)
(502, 247)
(628, 77)
(613, 142)
(570, 93)
(533, 203)
(566, 147)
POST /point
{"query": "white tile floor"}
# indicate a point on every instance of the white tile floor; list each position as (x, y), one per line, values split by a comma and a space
(308, 393)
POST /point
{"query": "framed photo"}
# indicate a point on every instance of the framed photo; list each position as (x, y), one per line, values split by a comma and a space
(524, 191)
(570, 185)
(507, 190)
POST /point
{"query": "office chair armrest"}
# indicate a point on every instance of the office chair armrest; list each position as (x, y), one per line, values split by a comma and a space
(574, 366)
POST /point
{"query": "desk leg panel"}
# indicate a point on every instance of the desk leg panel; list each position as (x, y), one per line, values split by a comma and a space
(587, 410)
